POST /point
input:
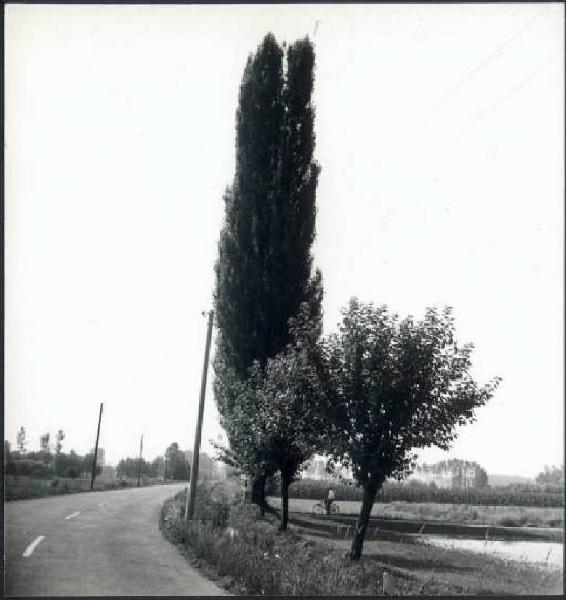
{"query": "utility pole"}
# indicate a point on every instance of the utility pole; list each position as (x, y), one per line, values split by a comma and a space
(139, 462)
(190, 505)
(96, 450)
(165, 474)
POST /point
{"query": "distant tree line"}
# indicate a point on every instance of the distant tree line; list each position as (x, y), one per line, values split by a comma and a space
(551, 476)
(460, 470)
(171, 466)
(49, 461)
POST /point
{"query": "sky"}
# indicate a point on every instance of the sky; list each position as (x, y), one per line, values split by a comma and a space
(440, 133)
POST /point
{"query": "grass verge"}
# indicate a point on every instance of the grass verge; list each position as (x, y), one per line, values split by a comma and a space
(245, 554)
(56, 487)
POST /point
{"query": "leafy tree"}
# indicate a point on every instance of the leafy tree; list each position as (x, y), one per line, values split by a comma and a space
(397, 386)
(130, 467)
(45, 447)
(177, 466)
(58, 450)
(481, 480)
(278, 410)
(30, 466)
(551, 476)
(70, 465)
(59, 442)
(263, 272)
(21, 440)
(44, 443)
(460, 471)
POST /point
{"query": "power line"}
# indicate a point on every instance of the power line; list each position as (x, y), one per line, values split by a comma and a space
(482, 64)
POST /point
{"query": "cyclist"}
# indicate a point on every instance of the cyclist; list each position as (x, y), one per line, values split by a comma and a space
(329, 500)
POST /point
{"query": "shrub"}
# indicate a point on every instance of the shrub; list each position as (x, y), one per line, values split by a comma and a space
(72, 473)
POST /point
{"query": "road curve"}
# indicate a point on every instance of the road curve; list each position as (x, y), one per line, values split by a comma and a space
(96, 544)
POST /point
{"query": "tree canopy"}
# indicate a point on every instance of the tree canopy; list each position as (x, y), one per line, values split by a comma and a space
(264, 266)
(278, 418)
(551, 476)
(397, 386)
(177, 466)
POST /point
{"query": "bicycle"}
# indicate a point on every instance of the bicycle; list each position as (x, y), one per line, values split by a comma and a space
(320, 509)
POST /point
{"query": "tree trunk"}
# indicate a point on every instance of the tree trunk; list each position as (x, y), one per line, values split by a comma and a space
(285, 483)
(370, 490)
(258, 493)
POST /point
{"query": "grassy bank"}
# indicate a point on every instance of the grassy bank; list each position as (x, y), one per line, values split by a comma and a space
(247, 555)
(497, 516)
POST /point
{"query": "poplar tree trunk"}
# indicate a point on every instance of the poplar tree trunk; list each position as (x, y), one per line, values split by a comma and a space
(258, 493)
(370, 491)
(285, 483)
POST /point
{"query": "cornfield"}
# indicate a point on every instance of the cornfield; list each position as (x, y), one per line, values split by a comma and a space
(396, 492)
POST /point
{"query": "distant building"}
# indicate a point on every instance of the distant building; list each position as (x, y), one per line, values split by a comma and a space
(316, 469)
(99, 457)
(108, 473)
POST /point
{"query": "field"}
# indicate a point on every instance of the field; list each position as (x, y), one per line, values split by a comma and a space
(527, 496)
(501, 516)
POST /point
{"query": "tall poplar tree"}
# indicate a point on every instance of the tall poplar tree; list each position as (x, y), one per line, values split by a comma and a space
(264, 266)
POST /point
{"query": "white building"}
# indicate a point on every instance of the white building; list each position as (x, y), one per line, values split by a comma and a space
(316, 469)
(99, 457)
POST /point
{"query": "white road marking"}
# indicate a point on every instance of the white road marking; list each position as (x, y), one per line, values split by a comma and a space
(73, 515)
(29, 550)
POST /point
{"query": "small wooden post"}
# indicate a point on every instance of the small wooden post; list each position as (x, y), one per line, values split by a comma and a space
(387, 584)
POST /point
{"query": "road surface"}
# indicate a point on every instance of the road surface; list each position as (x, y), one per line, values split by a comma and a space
(97, 543)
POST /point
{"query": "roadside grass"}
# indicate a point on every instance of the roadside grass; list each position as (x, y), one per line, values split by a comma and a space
(247, 555)
(445, 571)
(55, 487)
(497, 516)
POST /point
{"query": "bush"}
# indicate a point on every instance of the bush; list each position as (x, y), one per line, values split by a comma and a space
(72, 473)
(31, 467)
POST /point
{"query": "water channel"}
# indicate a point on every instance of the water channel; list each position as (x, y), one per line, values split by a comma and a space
(545, 553)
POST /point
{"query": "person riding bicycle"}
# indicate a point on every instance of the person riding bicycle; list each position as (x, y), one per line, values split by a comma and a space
(329, 500)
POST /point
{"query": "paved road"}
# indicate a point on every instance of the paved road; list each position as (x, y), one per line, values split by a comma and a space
(98, 543)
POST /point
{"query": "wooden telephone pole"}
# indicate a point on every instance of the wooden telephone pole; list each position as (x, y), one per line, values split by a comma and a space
(190, 505)
(165, 473)
(139, 462)
(92, 477)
